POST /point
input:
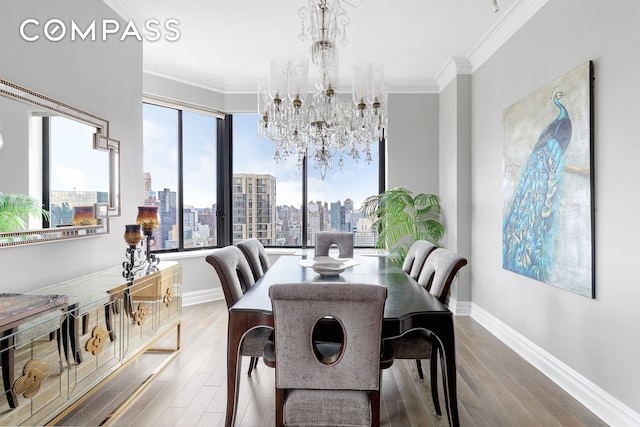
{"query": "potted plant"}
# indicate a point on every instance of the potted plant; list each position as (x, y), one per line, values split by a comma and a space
(401, 219)
(15, 208)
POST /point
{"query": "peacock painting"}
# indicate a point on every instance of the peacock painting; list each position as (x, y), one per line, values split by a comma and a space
(546, 229)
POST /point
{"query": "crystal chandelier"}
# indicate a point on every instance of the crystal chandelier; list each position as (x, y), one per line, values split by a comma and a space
(324, 126)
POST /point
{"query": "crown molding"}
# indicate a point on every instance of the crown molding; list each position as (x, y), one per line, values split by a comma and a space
(511, 22)
(456, 65)
(513, 19)
(172, 71)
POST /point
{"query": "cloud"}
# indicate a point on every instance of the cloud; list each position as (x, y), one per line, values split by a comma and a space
(68, 179)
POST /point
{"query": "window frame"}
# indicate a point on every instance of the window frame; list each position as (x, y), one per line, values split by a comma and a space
(224, 171)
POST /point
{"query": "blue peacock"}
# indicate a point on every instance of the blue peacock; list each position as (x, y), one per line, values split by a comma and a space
(529, 229)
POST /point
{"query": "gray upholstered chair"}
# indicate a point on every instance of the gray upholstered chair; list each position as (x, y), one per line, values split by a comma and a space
(256, 255)
(437, 274)
(416, 256)
(342, 239)
(337, 384)
(236, 278)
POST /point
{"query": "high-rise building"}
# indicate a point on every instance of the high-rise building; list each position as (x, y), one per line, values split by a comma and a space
(168, 218)
(62, 203)
(147, 187)
(254, 208)
(189, 222)
(337, 221)
(207, 217)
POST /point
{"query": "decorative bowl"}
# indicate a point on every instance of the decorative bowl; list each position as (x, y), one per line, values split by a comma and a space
(328, 268)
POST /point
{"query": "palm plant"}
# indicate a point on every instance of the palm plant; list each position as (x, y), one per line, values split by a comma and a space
(15, 208)
(401, 219)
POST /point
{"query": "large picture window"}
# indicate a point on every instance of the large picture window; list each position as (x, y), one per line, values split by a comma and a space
(268, 199)
(180, 176)
(184, 160)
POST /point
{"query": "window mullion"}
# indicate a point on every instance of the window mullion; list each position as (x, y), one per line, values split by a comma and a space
(180, 201)
(225, 180)
(305, 213)
(46, 168)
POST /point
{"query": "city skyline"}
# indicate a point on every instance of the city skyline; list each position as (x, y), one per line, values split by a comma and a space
(251, 156)
(255, 216)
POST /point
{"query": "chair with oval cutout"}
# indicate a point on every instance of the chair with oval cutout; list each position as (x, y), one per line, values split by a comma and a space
(320, 383)
(236, 278)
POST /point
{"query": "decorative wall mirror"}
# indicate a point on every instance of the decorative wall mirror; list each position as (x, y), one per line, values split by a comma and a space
(61, 157)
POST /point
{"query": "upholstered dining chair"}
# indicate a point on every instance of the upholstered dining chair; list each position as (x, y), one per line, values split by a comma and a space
(334, 385)
(416, 256)
(342, 239)
(236, 278)
(437, 274)
(256, 255)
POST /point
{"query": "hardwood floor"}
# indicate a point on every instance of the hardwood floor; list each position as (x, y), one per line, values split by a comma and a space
(496, 387)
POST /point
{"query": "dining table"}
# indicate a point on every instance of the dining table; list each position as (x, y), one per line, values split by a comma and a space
(408, 306)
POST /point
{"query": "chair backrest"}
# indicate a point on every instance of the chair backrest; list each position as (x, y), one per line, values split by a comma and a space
(234, 272)
(416, 256)
(297, 309)
(439, 270)
(256, 255)
(342, 239)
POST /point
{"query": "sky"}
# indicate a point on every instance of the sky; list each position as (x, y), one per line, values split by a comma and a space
(251, 155)
(75, 165)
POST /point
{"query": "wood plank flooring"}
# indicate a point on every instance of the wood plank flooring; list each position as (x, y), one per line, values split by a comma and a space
(496, 387)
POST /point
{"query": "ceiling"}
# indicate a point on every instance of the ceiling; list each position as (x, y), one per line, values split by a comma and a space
(227, 45)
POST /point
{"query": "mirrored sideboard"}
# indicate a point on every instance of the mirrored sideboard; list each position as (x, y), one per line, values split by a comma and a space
(54, 359)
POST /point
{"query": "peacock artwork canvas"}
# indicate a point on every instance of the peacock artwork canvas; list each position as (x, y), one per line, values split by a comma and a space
(547, 228)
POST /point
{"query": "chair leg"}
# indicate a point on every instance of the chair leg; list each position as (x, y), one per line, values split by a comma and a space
(279, 407)
(375, 408)
(419, 367)
(252, 364)
(433, 372)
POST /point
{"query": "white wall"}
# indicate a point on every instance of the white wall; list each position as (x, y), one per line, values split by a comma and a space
(598, 338)
(412, 143)
(100, 77)
(455, 181)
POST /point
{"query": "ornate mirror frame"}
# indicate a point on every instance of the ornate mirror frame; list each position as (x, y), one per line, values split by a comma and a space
(102, 141)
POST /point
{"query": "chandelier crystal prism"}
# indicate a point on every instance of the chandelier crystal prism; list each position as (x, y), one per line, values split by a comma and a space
(324, 126)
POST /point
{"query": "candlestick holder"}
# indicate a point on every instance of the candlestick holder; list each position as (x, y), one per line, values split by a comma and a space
(148, 220)
(134, 262)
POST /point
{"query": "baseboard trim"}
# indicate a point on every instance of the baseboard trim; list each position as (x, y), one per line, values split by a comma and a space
(598, 401)
(200, 297)
(459, 308)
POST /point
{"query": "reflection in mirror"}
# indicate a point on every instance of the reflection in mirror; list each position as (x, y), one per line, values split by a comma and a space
(78, 175)
(61, 157)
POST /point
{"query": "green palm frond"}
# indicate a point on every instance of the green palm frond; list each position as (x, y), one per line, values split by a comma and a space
(397, 214)
(15, 209)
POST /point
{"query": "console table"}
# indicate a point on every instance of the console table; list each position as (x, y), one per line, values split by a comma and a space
(102, 324)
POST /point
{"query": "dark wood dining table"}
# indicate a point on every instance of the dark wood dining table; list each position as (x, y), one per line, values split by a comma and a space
(408, 306)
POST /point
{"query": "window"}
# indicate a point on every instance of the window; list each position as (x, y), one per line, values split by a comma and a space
(180, 176)
(186, 159)
(275, 189)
